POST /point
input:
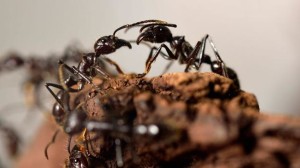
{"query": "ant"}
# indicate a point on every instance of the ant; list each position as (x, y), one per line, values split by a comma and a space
(77, 122)
(38, 70)
(88, 66)
(181, 50)
(80, 158)
(12, 139)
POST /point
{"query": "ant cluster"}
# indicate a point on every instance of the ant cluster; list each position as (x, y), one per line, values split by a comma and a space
(117, 128)
(38, 71)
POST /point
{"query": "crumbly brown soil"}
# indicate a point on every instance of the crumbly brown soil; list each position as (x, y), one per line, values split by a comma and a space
(204, 121)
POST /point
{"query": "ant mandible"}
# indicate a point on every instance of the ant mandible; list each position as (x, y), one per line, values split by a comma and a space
(181, 50)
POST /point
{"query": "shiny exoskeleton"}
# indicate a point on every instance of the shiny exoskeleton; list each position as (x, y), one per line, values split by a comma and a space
(181, 50)
(89, 66)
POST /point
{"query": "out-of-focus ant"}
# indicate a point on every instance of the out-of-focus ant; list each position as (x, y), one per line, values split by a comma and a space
(181, 50)
(77, 122)
(80, 158)
(38, 69)
(77, 158)
(12, 140)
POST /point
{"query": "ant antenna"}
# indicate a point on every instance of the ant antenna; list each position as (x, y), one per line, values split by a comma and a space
(127, 26)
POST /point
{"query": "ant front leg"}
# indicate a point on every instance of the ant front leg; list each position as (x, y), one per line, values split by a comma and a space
(66, 84)
(164, 56)
(114, 64)
(152, 58)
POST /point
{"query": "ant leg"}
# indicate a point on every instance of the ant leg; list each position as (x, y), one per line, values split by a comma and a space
(164, 55)
(193, 56)
(50, 143)
(119, 156)
(53, 94)
(101, 71)
(219, 59)
(114, 64)
(73, 70)
(168, 67)
(152, 58)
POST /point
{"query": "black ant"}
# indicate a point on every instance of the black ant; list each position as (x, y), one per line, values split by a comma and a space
(88, 66)
(77, 158)
(181, 50)
(77, 122)
(80, 158)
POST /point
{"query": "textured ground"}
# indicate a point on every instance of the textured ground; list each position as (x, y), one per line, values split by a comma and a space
(204, 121)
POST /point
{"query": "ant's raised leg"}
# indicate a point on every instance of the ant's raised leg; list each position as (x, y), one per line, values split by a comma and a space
(152, 58)
(193, 56)
(114, 64)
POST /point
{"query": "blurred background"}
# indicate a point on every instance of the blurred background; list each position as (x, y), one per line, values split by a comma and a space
(259, 39)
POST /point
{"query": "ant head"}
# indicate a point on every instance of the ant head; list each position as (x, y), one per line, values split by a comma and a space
(109, 44)
(75, 122)
(77, 159)
(156, 33)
